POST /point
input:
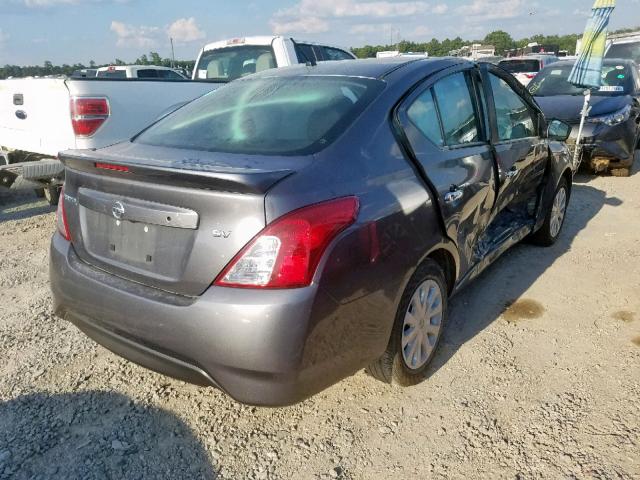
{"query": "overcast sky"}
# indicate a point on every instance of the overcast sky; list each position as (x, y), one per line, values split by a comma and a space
(70, 31)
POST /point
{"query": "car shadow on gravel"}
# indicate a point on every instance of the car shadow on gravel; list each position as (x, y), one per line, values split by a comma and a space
(18, 206)
(487, 298)
(96, 435)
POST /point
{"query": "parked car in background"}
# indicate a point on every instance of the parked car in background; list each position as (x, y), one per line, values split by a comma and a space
(525, 68)
(139, 71)
(612, 132)
(626, 46)
(84, 73)
(293, 227)
(238, 57)
(398, 53)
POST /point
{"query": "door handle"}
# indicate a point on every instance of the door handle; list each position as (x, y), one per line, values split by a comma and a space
(453, 196)
(513, 172)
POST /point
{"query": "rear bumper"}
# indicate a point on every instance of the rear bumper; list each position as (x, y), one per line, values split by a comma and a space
(250, 344)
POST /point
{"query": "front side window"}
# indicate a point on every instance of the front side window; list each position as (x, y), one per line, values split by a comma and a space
(226, 64)
(336, 54)
(459, 119)
(513, 115)
(424, 115)
(112, 73)
(270, 116)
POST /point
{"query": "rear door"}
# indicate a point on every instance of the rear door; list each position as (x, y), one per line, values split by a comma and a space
(444, 125)
(520, 150)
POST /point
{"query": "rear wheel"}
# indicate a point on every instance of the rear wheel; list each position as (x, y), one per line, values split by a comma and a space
(417, 329)
(52, 194)
(553, 222)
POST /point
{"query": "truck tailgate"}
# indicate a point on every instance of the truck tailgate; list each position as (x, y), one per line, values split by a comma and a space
(34, 115)
(133, 104)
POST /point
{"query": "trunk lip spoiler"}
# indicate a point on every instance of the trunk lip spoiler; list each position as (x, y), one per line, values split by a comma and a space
(240, 180)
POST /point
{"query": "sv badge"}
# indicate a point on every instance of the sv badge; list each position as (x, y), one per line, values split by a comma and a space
(221, 233)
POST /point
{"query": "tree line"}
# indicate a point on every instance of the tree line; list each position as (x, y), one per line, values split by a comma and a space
(48, 68)
(436, 48)
(499, 39)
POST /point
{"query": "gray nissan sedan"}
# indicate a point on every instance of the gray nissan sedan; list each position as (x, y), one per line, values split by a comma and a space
(295, 226)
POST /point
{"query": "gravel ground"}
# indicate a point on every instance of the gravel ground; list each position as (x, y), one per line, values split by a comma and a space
(538, 377)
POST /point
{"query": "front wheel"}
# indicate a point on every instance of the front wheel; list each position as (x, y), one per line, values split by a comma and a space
(417, 329)
(554, 220)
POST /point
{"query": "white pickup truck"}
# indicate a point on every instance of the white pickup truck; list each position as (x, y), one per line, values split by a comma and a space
(40, 117)
(238, 57)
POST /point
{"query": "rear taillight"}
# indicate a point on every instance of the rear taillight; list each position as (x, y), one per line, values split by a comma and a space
(61, 218)
(88, 115)
(287, 252)
(530, 75)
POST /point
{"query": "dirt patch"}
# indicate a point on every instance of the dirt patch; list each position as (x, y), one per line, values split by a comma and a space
(525, 309)
(636, 341)
(624, 316)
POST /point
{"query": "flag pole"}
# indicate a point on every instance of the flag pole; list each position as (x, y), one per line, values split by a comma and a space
(586, 109)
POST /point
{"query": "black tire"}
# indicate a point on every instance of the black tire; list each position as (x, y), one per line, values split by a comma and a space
(391, 367)
(545, 237)
(52, 194)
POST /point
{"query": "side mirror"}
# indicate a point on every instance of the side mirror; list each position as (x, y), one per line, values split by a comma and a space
(558, 130)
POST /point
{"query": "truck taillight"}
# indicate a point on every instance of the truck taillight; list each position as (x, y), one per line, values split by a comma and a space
(287, 252)
(61, 218)
(88, 115)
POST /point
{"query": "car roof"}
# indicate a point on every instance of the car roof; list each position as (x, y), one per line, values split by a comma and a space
(375, 68)
(606, 61)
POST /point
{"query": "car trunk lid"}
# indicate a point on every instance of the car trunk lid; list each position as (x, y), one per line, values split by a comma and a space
(166, 218)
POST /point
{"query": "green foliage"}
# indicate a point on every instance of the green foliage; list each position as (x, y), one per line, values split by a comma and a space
(48, 69)
(500, 39)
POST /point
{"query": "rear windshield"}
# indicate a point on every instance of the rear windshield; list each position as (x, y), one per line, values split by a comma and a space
(520, 66)
(274, 115)
(553, 80)
(226, 64)
(112, 74)
(627, 51)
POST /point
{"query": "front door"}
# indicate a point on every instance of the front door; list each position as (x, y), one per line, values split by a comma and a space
(520, 150)
(444, 126)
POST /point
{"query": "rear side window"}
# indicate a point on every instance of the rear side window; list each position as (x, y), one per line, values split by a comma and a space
(459, 119)
(520, 66)
(514, 117)
(306, 53)
(273, 115)
(170, 75)
(424, 115)
(147, 73)
(226, 64)
(336, 54)
(112, 74)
